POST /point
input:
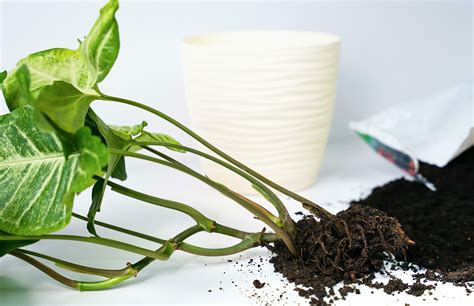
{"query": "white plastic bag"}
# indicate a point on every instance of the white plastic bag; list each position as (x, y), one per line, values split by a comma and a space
(434, 129)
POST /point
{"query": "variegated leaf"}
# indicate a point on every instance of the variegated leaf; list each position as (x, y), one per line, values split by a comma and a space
(38, 182)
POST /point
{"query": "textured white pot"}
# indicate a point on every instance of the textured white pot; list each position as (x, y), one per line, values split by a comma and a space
(265, 98)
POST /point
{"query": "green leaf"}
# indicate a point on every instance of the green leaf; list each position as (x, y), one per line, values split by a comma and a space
(82, 68)
(45, 68)
(3, 76)
(34, 175)
(128, 132)
(8, 246)
(98, 192)
(24, 81)
(102, 44)
(93, 155)
(115, 167)
(156, 137)
(38, 181)
(120, 170)
(65, 105)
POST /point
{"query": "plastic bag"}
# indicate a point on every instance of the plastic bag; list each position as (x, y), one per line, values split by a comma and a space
(434, 129)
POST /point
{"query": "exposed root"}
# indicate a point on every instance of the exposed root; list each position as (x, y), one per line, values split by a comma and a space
(327, 257)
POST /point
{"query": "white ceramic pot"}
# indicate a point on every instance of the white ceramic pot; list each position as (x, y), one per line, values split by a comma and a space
(264, 97)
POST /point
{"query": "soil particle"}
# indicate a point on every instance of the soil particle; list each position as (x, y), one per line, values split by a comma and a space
(395, 285)
(417, 289)
(257, 284)
(344, 291)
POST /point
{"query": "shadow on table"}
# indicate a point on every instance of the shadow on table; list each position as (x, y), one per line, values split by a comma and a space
(13, 293)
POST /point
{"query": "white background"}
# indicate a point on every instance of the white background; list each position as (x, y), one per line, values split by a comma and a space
(391, 52)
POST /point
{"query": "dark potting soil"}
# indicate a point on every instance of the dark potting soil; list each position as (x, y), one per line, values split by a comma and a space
(441, 223)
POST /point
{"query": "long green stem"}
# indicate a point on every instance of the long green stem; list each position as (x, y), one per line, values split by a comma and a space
(202, 220)
(122, 230)
(80, 268)
(161, 254)
(162, 155)
(262, 188)
(78, 285)
(308, 204)
(257, 210)
(245, 244)
(45, 269)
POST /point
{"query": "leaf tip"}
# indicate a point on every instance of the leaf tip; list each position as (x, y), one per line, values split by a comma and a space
(3, 76)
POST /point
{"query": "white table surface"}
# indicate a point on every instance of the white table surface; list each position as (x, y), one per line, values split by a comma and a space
(349, 171)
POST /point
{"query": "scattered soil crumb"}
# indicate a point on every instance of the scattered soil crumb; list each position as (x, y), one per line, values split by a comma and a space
(395, 285)
(257, 284)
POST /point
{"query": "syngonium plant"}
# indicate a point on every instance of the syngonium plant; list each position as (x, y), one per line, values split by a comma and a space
(54, 146)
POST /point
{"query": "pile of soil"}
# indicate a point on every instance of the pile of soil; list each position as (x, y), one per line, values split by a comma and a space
(440, 222)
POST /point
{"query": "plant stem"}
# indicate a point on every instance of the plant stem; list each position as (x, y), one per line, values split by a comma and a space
(288, 223)
(160, 154)
(245, 244)
(47, 270)
(78, 285)
(122, 230)
(308, 204)
(80, 268)
(186, 234)
(218, 228)
(161, 254)
(257, 210)
(102, 285)
(205, 222)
